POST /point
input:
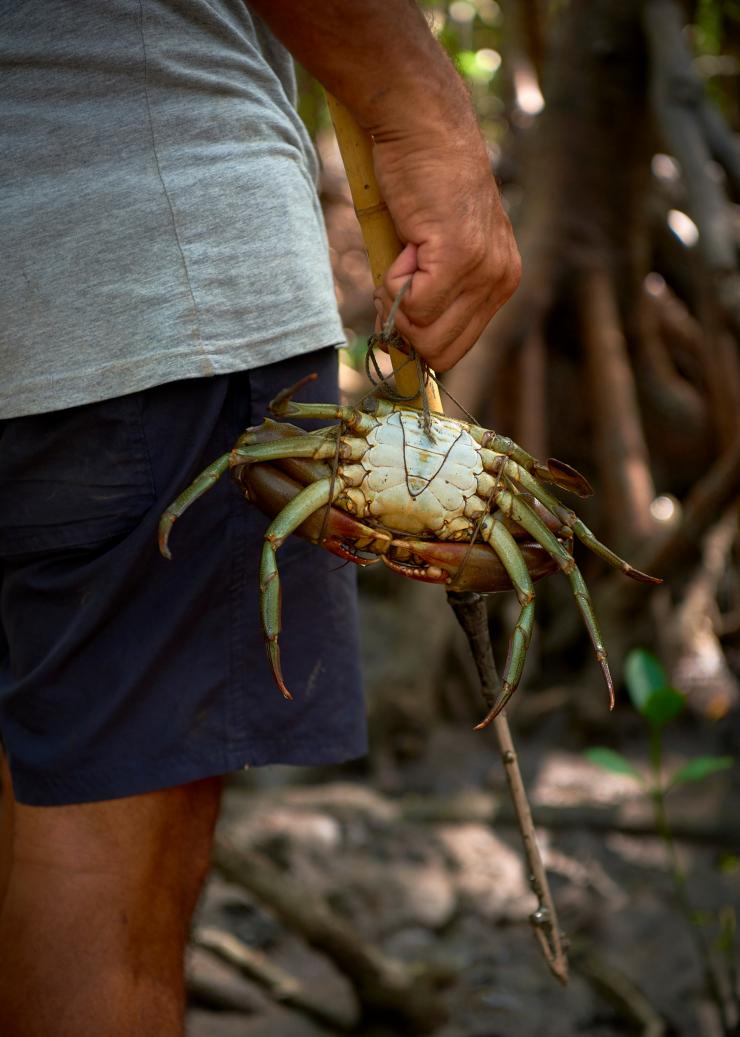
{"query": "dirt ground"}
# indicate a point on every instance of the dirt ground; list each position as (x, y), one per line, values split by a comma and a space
(429, 874)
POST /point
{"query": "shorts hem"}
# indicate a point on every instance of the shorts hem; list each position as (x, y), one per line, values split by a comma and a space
(35, 789)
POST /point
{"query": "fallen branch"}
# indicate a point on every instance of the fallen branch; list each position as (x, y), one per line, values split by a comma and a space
(628, 819)
(384, 987)
(280, 985)
(618, 988)
(215, 994)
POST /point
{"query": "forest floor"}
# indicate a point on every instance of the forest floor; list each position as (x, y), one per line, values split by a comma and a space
(424, 862)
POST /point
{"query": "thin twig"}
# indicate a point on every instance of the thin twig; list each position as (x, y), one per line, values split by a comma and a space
(470, 610)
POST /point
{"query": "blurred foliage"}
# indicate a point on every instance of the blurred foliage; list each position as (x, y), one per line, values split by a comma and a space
(717, 25)
(473, 34)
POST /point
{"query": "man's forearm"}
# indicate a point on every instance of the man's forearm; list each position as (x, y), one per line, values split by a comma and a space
(379, 58)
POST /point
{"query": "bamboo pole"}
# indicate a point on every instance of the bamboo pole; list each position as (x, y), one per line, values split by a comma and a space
(379, 234)
(383, 245)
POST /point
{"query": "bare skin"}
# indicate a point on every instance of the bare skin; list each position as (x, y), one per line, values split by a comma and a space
(6, 826)
(95, 918)
(380, 59)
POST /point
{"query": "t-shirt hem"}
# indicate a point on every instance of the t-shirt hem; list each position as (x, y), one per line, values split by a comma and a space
(120, 378)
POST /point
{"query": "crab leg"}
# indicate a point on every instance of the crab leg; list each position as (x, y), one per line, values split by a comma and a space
(554, 471)
(308, 501)
(571, 520)
(197, 488)
(284, 406)
(245, 452)
(496, 534)
(520, 511)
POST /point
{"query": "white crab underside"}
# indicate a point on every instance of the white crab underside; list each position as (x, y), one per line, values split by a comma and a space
(417, 485)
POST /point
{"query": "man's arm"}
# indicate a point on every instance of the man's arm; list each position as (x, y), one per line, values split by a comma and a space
(380, 59)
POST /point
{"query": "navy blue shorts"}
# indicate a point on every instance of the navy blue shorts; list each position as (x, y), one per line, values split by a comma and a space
(122, 673)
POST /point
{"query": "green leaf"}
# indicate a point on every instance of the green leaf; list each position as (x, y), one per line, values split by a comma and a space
(644, 675)
(649, 688)
(700, 768)
(612, 761)
(663, 705)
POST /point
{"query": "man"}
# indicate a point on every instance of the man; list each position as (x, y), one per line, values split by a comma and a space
(165, 274)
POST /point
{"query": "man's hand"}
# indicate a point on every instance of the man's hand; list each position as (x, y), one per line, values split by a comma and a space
(460, 252)
(380, 59)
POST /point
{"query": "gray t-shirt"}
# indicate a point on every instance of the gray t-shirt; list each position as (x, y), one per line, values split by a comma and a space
(158, 212)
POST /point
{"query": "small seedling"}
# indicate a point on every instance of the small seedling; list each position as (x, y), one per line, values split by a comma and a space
(658, 702)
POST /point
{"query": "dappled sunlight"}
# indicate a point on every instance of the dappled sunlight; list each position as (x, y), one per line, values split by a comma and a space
(567, 780)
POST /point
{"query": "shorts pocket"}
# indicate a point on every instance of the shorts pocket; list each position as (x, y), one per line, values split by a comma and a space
(73, 477)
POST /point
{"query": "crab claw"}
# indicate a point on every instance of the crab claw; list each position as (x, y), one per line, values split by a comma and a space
(280, 404)
(641, 577)
(273, 654)
(565, 476)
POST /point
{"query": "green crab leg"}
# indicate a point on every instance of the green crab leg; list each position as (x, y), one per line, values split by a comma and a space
(571, 520)
(353, 419)
(554, 471)
(276, 449)
(197, 488)
(293, 514)
(245, 452)
(496, 534)
(520, 511)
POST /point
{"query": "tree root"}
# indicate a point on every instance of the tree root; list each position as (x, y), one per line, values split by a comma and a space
(690, 131)
(618, 988)
(279, 984)
(698, 665)
(624, 464)
(708, 498)
(384, 987)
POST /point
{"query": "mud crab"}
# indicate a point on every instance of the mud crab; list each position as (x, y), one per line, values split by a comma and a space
(435, 498)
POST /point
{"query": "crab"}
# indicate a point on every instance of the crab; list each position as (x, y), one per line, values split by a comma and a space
(406, 485)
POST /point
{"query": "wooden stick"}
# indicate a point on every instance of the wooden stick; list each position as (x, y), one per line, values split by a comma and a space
(383, 246)
(381, 241)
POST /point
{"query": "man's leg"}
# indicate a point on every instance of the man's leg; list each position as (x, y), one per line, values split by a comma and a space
(6, 824)
(95, 919)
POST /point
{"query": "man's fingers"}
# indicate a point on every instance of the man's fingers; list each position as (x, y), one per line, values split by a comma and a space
(434, 283)
(448, 339)
(445, 341)
(403, 266)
